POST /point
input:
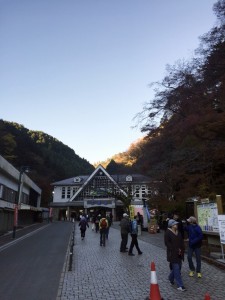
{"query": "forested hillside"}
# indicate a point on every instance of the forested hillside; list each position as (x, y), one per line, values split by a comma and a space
(49, 159)
(184, 148)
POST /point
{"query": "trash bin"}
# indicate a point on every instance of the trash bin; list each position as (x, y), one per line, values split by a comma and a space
(139, 229)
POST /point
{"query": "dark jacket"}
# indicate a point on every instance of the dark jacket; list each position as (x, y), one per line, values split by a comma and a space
(175, 246)
(125, 226)
(180, 227)
(83, 224)
(195, 235)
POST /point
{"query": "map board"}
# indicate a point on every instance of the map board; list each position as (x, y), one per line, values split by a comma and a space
(221, 221)
(208, 217)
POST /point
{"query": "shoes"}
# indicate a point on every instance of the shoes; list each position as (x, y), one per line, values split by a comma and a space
(181, 288)
(192, 273)
(123, 251)
(171, 282)
(139, 253)
(199, 275)
(131, 254)
(100, 244)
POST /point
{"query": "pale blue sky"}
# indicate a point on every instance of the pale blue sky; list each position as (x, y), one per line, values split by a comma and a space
(79, 70)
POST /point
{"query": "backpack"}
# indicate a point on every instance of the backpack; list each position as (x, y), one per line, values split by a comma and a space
(134, 227)
(103, 223)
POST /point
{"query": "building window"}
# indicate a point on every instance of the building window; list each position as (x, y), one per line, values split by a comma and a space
(68, 192)
(129, 178)
(63, 192)
(24, 198)
(77, 179)
(8, 194)
(143, 190)
(137, 189)
(75, 189)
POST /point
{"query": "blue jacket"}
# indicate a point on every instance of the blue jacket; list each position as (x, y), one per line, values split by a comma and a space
(134, 227)
(195, 235)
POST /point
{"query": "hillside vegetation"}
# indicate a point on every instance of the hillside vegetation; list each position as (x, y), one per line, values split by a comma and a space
(184, 147)
(49, 159)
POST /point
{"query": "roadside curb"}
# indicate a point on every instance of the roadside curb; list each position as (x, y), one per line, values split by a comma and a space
(66, 265)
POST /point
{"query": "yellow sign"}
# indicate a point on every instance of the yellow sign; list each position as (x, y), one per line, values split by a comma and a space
(131, 209)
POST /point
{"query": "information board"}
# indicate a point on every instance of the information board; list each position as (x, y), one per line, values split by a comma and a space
(208, 217)
(221, 221)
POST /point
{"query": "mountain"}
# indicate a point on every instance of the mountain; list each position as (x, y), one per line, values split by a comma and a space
(49, 159)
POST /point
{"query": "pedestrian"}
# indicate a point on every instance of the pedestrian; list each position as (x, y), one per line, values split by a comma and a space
(103, 225)
(111, 217)
(139, 219)
(124, 230)
(93, 223)
(175, 253)
(195, 237)
(98, 217)
(180, 226)
(109, 225)
(83, 226)
(134, 234)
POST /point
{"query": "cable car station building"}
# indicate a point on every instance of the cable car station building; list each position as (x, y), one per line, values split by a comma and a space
(97, 193)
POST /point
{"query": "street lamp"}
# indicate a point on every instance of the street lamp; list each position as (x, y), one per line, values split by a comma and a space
(22, 170)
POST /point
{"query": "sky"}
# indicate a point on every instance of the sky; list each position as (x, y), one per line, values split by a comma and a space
(79, 70)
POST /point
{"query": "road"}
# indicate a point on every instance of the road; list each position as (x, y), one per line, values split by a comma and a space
(31, 267)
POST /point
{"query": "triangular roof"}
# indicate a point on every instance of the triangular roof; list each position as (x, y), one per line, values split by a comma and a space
(91, 177)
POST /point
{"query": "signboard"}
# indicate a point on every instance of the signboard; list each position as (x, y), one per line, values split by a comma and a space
(132, 214)
(221, 221)
(99, 203)
(208, 217)
(134, 209)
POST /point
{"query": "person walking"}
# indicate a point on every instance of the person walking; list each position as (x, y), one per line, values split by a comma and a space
(98, 217)
(103, 225)
(195, 237)
(180, 226)
(175, 253)
(124, 230)
(109, 225)
(83, 226)
(134, 234)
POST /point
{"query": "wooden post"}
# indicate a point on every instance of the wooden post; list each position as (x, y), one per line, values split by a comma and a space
(219, 204)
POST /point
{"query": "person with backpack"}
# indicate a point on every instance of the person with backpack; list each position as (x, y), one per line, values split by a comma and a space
(103, 225)
(134, 234)
(83, 226)
(195, 237)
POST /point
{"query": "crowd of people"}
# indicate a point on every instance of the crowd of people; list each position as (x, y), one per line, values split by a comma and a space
(176, 232)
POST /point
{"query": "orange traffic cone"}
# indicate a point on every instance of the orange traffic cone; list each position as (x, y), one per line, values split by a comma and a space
(207, 297)
(154, 288)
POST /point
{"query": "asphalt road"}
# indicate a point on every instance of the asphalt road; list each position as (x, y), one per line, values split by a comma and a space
(30, 268)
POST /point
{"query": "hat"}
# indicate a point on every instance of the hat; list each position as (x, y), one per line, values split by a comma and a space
(192, 220)
(125, 215)
(172, 222)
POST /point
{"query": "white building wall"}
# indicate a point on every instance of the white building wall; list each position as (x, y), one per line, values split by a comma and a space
(57, 196)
